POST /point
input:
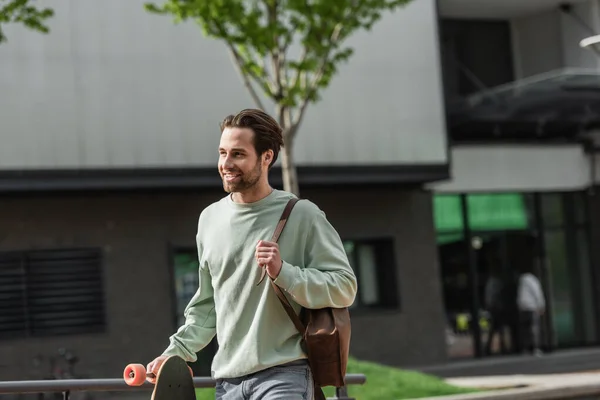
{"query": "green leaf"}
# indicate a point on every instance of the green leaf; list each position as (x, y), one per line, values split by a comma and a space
(260, 34)
(22, 12)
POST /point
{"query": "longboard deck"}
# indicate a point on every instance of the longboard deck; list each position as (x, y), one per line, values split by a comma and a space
(174, 381)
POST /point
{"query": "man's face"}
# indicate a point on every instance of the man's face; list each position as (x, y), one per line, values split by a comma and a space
(239, 165)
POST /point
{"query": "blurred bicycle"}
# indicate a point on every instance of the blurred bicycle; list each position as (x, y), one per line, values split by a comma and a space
(60, 366)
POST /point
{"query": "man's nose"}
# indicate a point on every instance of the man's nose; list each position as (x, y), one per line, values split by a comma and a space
(228, 163)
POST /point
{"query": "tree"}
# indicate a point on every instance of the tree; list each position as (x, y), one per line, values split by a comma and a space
(21, 11)
(259, 35)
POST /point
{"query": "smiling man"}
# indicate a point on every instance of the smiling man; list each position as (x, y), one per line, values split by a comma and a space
(260, 355)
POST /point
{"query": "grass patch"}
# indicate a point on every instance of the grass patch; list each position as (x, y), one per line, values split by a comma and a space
(205, 394)
(383, 383)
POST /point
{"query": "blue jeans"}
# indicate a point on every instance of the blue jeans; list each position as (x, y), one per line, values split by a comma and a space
(291, 381)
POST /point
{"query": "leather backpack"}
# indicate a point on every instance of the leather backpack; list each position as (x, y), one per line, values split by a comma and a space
(325, 332)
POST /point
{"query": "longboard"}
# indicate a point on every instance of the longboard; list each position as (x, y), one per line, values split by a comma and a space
(173, 380)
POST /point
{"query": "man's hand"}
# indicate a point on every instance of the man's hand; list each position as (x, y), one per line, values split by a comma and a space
(268, 257)
(154, 366)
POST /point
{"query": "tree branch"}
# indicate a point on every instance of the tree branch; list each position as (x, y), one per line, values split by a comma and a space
(276, 54)
(271, 84)
(299, 70)
(276, 65)
(238, 62)
(317, 77)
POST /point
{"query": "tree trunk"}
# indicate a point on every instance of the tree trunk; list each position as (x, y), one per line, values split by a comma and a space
(288, 167)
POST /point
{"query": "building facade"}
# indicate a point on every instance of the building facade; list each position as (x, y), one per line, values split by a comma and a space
(449, 146)
(110, 136)
(522, 114)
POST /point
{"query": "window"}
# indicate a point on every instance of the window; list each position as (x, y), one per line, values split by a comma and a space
(55, 292)
(543, 233)
(565, 231)
(185, 265)
(374, 266)
(476, 54)
(186, 280)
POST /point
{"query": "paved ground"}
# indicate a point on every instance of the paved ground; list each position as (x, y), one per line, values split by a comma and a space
(564, 361)
(516, 381)
(573, 386)
(566, 374)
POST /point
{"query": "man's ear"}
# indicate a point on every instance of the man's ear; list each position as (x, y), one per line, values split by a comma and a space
(268, 156)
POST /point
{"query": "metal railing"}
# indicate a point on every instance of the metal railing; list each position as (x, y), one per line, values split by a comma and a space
(67, 386)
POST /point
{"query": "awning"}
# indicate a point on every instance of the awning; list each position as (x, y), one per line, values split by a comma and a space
(558, 104)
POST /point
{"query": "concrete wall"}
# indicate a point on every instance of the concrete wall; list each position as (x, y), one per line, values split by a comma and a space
(489, 168)
(550, 40)
(573, 31)
(115, 86)
(135, 231)
(536, 42)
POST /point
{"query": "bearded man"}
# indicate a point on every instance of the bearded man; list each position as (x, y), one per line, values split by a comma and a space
(260, 355)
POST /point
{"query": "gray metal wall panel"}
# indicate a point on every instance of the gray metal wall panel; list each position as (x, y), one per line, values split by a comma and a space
(114, 86)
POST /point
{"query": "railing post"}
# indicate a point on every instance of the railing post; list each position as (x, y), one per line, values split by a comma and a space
(66, 395)
(341, 393)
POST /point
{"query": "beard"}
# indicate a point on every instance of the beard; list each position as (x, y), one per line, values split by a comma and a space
(245, 181)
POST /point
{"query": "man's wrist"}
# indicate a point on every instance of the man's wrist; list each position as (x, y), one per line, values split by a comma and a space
(278, 272)
(286, 279)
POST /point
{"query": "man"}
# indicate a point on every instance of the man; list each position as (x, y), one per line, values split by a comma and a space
(532, 305)
(260, 354)
(496, 305)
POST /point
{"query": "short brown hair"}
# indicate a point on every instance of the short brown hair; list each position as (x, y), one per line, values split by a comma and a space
(267, 132)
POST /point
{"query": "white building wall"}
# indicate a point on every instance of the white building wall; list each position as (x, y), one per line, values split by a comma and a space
(497, 168)
(115, 86)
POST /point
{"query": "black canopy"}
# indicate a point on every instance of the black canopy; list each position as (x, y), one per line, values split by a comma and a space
(556, 105)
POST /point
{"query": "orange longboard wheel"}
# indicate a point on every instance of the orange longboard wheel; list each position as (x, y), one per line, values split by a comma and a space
(134, 374)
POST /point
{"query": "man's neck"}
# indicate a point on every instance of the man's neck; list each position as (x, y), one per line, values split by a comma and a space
(252, 195)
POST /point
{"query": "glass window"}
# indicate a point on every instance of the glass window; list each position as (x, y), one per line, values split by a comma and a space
(367, 265)
(185, 263)
(497, 211)
(587, 298)
(447, 213)
(486, 212)
(506, 241)
(552, 210)
(560, 286)
(579, 203)
(475, 54)
(186, 280)
(374, 266)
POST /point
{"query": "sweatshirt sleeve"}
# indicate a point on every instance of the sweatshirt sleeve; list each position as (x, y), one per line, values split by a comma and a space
(200, 321)
(327, 280)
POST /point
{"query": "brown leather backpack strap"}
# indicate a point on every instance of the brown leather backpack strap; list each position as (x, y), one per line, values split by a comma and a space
(283, 219)
(289, 310)
(319, 395)
(279, 228)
